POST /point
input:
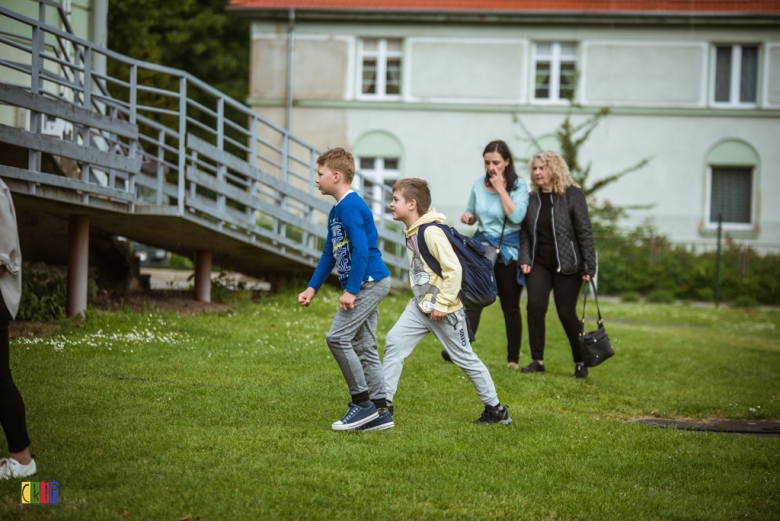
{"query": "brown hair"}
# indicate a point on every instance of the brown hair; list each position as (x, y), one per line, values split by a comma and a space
(338, 160)
(415, 189)
(559, 171)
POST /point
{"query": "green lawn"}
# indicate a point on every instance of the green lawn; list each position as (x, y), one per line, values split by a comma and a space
(254, 439)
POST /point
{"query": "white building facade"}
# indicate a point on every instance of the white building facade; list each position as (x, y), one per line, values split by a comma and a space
(419, 93)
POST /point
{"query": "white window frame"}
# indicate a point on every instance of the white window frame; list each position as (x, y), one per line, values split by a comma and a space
(708, 224)
(381, 55)
(378, 175)
(736, 75)
(555, 73)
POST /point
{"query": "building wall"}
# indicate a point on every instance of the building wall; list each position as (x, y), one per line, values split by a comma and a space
(465, 85)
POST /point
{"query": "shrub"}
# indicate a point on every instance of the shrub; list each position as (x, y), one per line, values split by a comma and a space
(705, 294)
(744, 302)
(43, 296)
(629, 296)
(660, 297)
(180, 263)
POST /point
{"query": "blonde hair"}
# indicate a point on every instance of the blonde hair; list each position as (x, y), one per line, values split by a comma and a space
(559, 171)
(415, 189)
(338, 160)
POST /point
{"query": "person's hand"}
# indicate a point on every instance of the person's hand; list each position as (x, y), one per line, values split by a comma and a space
(437, 315)
(347, 301)
(304, 299)
(498, 181)
(526, 268)
(468, 218)
(586, 277)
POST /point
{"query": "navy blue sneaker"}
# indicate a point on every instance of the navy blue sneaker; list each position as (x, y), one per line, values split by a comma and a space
(382, 422)
(355, 417)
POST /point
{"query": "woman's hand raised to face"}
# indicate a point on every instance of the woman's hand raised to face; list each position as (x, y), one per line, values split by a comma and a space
(468, 218)
(497, 181)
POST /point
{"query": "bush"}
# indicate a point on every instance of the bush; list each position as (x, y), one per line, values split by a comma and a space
(744, 302)
(629, 296)
(43, 296)
(705, 294)
(660, 297)
(626, 265)
(179, 262)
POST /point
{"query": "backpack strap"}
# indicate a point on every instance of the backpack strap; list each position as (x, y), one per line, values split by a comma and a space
(425, 253)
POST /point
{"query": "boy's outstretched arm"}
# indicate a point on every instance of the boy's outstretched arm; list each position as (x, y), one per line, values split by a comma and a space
(324, 267)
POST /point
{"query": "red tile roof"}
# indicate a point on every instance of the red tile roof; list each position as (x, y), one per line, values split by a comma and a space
(506, 6)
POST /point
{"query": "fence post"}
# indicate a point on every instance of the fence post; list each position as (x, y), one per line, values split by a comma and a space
(717, 262)
(182, 141)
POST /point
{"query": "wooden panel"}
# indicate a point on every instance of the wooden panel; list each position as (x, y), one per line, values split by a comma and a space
(64, 182)
(59, 147)
(21, 98)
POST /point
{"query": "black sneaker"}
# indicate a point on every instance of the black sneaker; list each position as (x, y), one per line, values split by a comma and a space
(491, 414)
(580, 371)
(446, 355)
(533, 367)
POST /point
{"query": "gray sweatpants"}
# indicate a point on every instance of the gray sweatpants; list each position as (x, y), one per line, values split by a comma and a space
(409, 331)
(352, 340)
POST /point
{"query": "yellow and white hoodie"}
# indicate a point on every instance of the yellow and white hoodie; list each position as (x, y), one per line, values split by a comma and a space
(431, 291)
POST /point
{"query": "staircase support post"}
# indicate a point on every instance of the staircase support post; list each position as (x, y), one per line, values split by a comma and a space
(203, 275)
(78, 264)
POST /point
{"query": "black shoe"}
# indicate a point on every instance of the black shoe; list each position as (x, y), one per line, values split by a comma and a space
(446, 355)
(491, 414)
(580, 371)
(533, 367)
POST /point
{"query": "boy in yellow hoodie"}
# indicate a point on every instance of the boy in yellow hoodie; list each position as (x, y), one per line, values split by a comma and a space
(435, 307)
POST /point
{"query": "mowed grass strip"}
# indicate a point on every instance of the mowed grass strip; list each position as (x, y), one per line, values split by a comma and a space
(255, 441)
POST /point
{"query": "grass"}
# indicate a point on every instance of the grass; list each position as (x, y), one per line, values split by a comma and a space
(254, 441)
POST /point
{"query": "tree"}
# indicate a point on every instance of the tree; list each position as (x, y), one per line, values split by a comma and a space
(198, 36)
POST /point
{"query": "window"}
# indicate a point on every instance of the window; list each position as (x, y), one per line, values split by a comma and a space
(380, 60)
(379, 171)
(555, 66)
(736, 75)
(731, 195)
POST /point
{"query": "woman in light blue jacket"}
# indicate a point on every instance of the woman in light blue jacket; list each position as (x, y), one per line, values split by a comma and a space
(497, 205)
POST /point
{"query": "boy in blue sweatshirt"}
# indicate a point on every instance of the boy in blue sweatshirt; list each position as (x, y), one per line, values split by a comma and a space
(352, 248)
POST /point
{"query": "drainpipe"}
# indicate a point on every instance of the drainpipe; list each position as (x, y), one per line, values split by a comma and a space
(290, 60)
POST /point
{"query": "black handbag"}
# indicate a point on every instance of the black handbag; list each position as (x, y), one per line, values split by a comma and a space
(595, 345)
(492, 254)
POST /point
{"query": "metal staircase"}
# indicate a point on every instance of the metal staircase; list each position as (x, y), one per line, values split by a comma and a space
(162, 158)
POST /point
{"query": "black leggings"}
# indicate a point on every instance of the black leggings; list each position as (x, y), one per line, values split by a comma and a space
(540, 281)
(11, 403)
(509, 292)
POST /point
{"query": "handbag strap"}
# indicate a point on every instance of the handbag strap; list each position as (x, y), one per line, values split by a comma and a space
(585, 302)
(501, 239)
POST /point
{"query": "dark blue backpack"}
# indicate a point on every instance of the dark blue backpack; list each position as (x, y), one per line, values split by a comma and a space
(478, 288)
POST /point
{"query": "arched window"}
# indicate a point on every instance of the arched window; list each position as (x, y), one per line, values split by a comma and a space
(379, 157)
(732, 171)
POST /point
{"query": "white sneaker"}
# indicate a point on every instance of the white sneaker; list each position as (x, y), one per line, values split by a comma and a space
(10, 468)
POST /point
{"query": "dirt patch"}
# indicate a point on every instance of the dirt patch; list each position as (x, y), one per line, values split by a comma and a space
(20, 329)
(752, 427)
(180, 302)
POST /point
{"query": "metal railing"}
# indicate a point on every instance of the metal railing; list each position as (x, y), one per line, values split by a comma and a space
(164, 142)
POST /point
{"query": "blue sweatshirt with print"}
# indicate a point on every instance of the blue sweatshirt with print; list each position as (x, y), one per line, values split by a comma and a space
(351, 246)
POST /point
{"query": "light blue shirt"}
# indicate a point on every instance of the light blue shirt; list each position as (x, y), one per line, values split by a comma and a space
(489, 211)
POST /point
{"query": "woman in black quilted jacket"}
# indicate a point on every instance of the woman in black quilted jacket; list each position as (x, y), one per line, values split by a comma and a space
(557, 253)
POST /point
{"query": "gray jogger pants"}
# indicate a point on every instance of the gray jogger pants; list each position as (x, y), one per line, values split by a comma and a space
(352, 340)
(409, 331)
